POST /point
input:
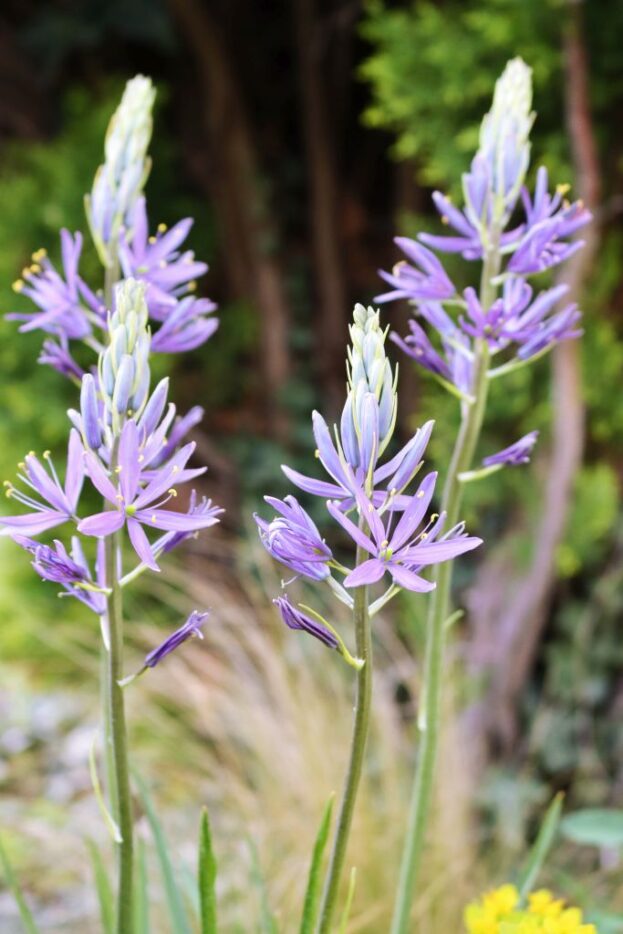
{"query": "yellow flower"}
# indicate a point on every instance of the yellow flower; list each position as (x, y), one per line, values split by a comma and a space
(499, 912)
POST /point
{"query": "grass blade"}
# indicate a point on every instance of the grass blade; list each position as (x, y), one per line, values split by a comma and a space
(540, 847)
(24, 911)
(179, 918)
(312, 893)
(103, 888)
(349, 900)
(207, 877)
(141, 902)
(267, 922)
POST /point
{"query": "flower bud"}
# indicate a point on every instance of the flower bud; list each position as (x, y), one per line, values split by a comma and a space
(91, 427)
(120, 180)
(124, 365)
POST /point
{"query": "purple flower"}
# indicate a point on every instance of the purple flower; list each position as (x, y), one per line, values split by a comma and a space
(296, 619)
(293, 539)
(426, 279)
(59, 299)
(57, 356)
(395, 474)
(191, 628)
(402, 553)
(157, 261)
(455, 365)
(186, 326)
(60, 502)
(517, 453)
(71, 571)
(171, 540)
(135, 506)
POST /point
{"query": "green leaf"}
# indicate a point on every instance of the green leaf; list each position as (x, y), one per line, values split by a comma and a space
(595, 827)
(541, 847)
(141, 901)
(267, 922)
(312, 893)
(103, 888)
(207, 877)
(179, 918)
(24, 911)
(349, 900)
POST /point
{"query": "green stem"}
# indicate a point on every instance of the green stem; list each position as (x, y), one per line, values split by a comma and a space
(118, 739)
(361, 618)
(439, 609)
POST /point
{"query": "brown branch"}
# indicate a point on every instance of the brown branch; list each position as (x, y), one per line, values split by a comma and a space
(516, 632)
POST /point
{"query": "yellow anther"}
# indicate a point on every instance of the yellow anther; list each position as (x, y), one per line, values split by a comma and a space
(317, 453)
(176, 469)
(153, 240)
(398, 266)
(384, 543)
(18, 285)
(420, 494)
(563, 188)
(31, 454)
(6, 483)
(26, 272)
(8, 492)
(162, 228)
(153, 518)
(172, 492)
(141, 458)
(393, 491)
(118, 468)
(119, 497)
(22, 465)
(445, 219)
(192, 286)
(424, 536)
(35, 267)
(47, 455)
(38, 255)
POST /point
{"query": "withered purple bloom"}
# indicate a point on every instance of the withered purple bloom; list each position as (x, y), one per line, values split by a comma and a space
(401, 552)
(514, 455)
(64, 302)
(70, 570)
(294, 540)
(60, 502)
(157, 260)
(190, 629)
(296, 619)
(135, 505)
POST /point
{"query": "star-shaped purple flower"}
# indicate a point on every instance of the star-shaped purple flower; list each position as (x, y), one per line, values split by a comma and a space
(136, 505)
(60, 501)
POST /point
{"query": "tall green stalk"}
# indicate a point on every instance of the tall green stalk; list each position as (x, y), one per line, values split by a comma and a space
(439, 611)
(361, 618)
(119, 743)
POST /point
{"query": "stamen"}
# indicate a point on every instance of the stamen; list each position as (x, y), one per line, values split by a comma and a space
(18, 285)
(152, 240)
(162, 228)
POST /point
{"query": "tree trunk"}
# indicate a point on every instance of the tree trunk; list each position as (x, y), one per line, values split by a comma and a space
(234, 182)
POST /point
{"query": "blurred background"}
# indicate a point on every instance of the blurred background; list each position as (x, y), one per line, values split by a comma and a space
(302, 136)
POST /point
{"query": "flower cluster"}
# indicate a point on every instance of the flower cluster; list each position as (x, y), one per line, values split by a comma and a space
(520, 323)
(388, 524)
(67, 308)
(500, 912)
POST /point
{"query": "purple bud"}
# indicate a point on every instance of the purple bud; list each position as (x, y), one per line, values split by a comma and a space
(295, 619)
(192, 627)
(518, 453)
(89, 411)
(123, 384)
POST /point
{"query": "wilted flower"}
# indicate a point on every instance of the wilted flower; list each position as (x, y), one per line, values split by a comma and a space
(69, 570)
(190, 629)
(60, 501)
(296, 619)
(294, 540)
(517, 453)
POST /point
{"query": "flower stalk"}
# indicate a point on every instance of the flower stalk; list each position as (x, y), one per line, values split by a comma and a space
(361, 618)
(439, 611)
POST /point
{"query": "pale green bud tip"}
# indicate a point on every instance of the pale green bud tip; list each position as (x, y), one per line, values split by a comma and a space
(513, 90)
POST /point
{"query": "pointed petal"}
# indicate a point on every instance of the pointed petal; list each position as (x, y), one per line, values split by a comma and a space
(326, 451)
(74, 474)
(102, 523)
(170, 521)
(129, 472)
(367, 573)
(414, 513)
(356, 534)
(409, 579)
(315, 487)
(99, 478)
(141, 544)
(32, 523)
(435, 552)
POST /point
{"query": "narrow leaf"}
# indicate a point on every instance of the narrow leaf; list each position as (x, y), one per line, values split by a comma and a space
(24, 911)
(177, 911)
(207, 877)
(349, 900)
(540, 847)
(312, 893)
(141, 901)
(99, 795)
(103, 888)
